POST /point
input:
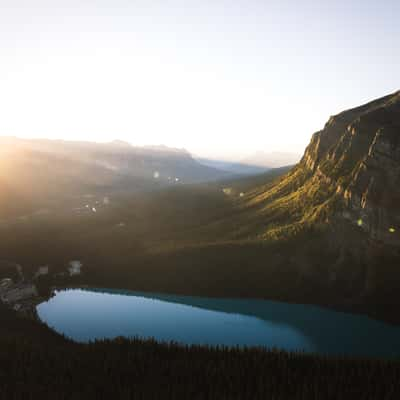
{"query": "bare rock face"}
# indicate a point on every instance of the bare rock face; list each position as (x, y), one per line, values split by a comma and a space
(358, 152)
(375, 188)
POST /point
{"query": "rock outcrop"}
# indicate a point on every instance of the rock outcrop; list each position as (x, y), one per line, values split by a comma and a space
(338, 211)
(358, 152)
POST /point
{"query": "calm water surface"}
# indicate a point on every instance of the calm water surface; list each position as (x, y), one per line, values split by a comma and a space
(85, 315)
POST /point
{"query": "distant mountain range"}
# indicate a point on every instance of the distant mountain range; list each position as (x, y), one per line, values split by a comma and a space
(40, 171)
(35, 170)
(235, 168)
(256, 163)
(272, 159)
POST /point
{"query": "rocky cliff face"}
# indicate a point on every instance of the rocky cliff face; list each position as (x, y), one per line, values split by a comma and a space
(338, 211)
(358, 153)
(349, 176)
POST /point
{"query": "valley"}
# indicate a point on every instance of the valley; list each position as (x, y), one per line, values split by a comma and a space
(256, 252)
(322, 232)
(296, 234)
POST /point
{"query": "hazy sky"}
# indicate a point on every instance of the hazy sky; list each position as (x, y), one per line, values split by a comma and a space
(219, 78)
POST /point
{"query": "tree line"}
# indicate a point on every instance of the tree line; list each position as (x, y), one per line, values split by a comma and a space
(36, 363)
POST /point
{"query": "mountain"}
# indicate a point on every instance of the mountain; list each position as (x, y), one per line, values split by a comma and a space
(358, 154)
(326, 232)
(36, 172)
(349, 175)
(257, 163)
(273, 159)
(234, 168)
(337, 210)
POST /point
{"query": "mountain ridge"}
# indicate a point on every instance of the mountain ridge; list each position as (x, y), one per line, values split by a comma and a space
(341, 171)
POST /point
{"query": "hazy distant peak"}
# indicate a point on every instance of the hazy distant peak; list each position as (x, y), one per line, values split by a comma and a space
(166, 149)
(120, 143)
(273, 159)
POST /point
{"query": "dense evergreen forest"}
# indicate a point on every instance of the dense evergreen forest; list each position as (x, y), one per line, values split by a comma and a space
(36, 363)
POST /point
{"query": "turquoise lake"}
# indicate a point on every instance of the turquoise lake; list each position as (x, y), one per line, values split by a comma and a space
(85, 315)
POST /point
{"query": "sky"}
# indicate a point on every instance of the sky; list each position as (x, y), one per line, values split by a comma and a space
(221, 78)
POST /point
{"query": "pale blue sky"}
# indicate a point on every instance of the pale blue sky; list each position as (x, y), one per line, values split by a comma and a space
(220, 78)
